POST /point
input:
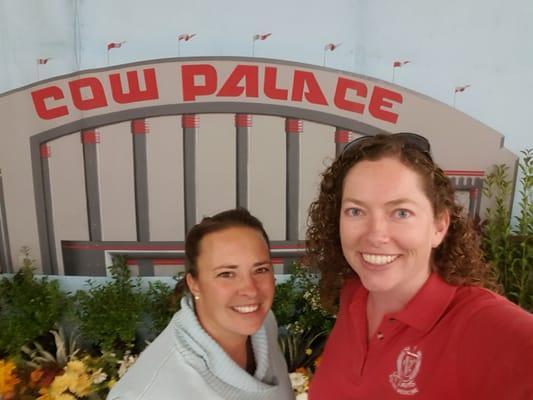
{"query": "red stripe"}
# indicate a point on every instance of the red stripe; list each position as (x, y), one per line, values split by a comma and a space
(90, 137)
(46, 151)
(158, 261)
(190, 121)
(139, 126)
(67, 245)
(464, 173)
(294, 125)
(243, 120)
(342, 136)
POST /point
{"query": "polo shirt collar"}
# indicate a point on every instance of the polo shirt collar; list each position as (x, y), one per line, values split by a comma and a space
(428, 305)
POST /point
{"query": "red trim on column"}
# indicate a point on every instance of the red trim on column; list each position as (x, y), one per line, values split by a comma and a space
(464, 173)
(243, 120)
(342, 136)
(473, 194)
(139, 127)
(90, 137)
(294, 125)
(46, 151)
(190, 121)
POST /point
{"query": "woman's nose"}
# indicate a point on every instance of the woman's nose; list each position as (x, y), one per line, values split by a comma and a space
(248, 286)
(378, 230)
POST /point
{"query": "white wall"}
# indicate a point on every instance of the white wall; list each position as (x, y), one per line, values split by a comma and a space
(485, 43)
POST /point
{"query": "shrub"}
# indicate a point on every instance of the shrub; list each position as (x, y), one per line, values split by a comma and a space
(110, 313)
(508, 247)
(29, 307)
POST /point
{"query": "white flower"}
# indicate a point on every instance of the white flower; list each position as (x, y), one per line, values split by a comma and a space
(299, 381)
(99, 376)
(301, 396)
(125, 363)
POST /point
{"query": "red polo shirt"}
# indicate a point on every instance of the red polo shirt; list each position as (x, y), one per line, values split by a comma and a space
(447, 343)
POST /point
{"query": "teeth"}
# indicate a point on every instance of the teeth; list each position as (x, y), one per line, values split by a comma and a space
(378, 259)
(246, 309)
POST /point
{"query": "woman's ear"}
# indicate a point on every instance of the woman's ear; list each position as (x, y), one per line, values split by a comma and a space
(441, 224)
(192, 284)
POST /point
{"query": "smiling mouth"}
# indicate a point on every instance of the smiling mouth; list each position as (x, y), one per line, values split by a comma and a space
(246, 309)
(378, 259)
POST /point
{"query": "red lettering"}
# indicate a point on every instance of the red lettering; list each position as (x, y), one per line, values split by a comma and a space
(379, 100)
(306, 80)
(97, 91)
(231, 87)
(340, 100)
(134, 92)
(190, 89)
(271, 91)
(39, 102)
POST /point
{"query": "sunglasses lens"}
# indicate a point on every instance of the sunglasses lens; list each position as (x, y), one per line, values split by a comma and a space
(420, 142)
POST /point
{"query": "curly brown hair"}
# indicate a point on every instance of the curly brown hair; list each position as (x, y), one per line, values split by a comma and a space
(458, 259)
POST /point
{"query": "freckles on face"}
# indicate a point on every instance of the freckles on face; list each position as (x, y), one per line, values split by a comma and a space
(386, 224)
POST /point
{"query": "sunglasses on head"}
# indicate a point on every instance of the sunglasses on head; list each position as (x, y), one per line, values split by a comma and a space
(410, 139)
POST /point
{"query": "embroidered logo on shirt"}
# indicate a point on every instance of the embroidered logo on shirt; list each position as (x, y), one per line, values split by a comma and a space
(407, 368)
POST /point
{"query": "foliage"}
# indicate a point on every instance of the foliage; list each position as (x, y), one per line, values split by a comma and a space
(110, 313)
(29, 307)
(508, 247)
(161, 305)
(304, 324)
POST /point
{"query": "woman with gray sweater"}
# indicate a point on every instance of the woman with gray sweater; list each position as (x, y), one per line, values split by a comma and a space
(222, 344)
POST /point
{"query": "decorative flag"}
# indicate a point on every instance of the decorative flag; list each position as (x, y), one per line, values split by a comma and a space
(114, 45)
(398, 64)
(331, 46)
(461, 88)
(43, 60)
(186, 36)
(262, 37)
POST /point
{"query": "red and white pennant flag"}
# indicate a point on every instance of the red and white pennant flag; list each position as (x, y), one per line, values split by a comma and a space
(186, 36)
(42, 61)
(331, 46)
(461, 88)
(115, 45)
(398, 64)
(263, 36)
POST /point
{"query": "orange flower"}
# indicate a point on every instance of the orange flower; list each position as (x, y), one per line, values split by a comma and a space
(8, 379)
(317, 361)
(36, 376)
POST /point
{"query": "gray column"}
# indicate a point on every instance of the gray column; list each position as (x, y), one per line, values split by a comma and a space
(6, 264)
(139, 129)
(47, 242)
(293, 128)
(342, 137)
(90, 140)
(189, 123)
(243, 122)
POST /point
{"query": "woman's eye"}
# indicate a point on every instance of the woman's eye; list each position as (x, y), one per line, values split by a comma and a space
(226, 274)
(263, 270)
(353, 212)
(402, 213)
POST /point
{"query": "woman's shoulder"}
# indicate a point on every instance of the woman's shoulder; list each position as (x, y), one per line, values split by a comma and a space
(488, 312)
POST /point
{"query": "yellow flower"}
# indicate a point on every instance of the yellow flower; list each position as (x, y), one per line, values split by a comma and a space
(76, 366)
(44, 395)
(8, 379)
(308, 351)
(111, 383)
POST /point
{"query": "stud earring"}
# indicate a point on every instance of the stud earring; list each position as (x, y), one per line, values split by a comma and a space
(196, 297)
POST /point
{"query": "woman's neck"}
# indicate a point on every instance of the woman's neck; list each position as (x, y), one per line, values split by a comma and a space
(241, 352)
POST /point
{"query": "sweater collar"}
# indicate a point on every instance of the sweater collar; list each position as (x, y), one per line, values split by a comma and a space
(206, 356)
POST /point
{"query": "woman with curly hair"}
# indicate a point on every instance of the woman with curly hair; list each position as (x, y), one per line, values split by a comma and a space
(418, 312)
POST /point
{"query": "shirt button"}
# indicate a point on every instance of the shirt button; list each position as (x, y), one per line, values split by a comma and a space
(380, 336)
